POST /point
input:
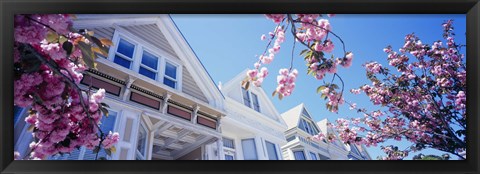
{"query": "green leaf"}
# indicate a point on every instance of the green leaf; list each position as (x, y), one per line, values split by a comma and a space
(105, 105)
(247, 85)
(280, 96)
(334, 86)
(62, 39)
(102, 47)
(109, 153)
(273, 93)
(52, 37)
(320, 88)
(87, 54)
(113, 149)
(106, 42)
(303, 51)
(31, 128)
(104, 111)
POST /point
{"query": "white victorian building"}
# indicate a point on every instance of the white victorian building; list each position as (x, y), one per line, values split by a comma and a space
(164, 103)
(300, 146)
(253, 129)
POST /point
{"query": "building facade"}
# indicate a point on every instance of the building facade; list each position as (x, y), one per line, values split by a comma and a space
(164, 103)
(300, 146)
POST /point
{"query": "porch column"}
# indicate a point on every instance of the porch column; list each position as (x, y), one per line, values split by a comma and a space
(150, 135)
(221, 153)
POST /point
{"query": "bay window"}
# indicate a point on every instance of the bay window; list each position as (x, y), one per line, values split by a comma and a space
(134, 54)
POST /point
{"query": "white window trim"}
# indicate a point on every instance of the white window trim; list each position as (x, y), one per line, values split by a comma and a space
(250, 95)
(140, 46)
(137, 152)
(276, 149)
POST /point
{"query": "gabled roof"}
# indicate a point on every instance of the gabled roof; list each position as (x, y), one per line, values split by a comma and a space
(292, 116)
(235, 83)
(175, 38)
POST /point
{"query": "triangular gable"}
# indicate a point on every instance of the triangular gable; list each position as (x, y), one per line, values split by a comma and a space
(160, 31)
(232, 89)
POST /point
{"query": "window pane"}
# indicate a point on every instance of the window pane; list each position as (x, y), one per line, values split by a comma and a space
(169, 82)
(141, 140)
(313, 156)
(323, 157)
(272, 152)
(246, 97)
(126, 48)
(299, 155)
(149, 60)
(148, 73)
(249, 150)
(256, 105)
(171, 70)
(228, 143)
(228, 157)
(122, 61)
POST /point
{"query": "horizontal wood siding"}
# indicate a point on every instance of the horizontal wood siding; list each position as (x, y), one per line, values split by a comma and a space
(151, 34)
(190, 87)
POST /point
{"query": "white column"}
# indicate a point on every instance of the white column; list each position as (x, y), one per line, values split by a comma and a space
(151, 138)
(221, 153)
(260, 148)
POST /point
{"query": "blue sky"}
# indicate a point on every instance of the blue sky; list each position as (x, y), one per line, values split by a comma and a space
(228, 44)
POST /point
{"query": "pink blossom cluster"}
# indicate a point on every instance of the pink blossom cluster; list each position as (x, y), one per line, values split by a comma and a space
(60, 122)
(422, 100)
(286, 81)
(110, 140)
(257, 77)
(277, 18)
(334, 98)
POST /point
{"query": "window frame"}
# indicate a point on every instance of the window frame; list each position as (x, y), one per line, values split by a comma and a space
(254, 147)
(313, 155)
(164, 75)
(140, 47)
(251, 102)
(137, 152)
(303, 153)
(275, 149)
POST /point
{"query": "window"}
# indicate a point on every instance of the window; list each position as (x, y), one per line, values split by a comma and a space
(313, 156)
(291, 138)
(308, 127)
(228, 143)
(246, 97)
(141, 142)
(256, 106)
(144, 59)
(229, 157)
(124, 53)
(249, 149)
(248, 102)
(108, 124)
(149, 65)
(322, 157)
(272, 151)
(299, 155)
(170, 78)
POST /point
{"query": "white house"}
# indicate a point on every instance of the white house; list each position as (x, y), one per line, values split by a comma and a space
(162, 101)
(300, 146)
(253, 128)
(348, 151)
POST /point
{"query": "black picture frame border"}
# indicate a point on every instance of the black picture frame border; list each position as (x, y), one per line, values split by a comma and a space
(9, 7)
